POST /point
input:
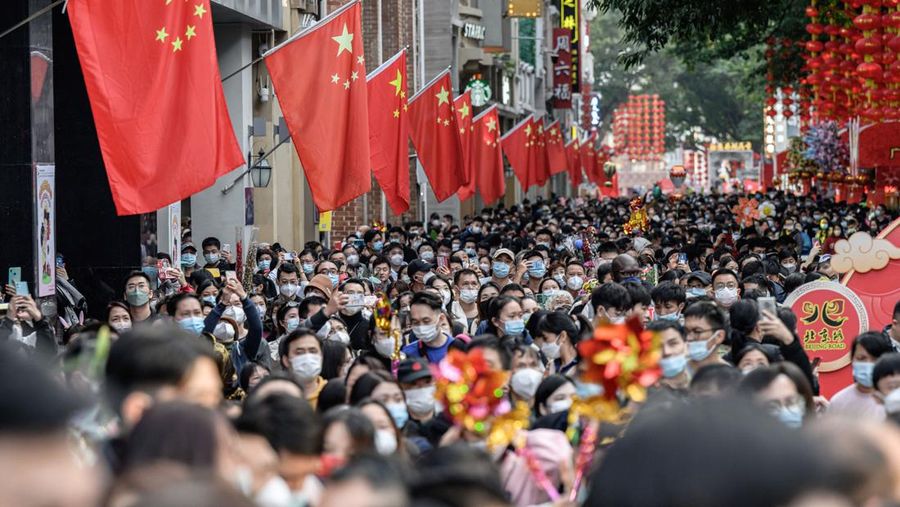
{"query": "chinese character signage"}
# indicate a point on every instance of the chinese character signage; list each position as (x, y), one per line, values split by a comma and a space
(562, 68)
(829, 317)
(570, 19)
(742, 146)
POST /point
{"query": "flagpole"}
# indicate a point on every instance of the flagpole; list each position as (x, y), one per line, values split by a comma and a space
(380, 62)
(486, 111)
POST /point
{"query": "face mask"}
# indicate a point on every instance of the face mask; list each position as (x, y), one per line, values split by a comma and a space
(308, 267)
(397, 260)
(501, 269)
(137, 297)
(485, 268)
(617, 320)
(307, 366)
(428, 256)
(340, 336)
(224, 332)
(188, 260)
(862, 373)
(575, 283)
(698, 351)
(726, 296)
(792, 417)
(892, 402)
(351, 310)
(275, 492)
(514, 327)
(537, 270)
(385, 347)
(475, 229)
(468, 296)
(121, 327)
(672, 366)
(209, 299)
(378, 245)
(544, 244)
(426, 333)
(236, 313)
(586, 390)
(790, 268)
(696, 292)
(292, 324)
(398, 413)
(261, 310)
(445, 297)
(420, 400)
(352, 260)
(560, 279)
(550, 350)
(385, 442)
(211, 258)
(264, 264)
(558, 406)
(470, 252)
(525, 382)
(335, 278)
(631, 279)
(671, 317)
(289, 289)
(192, 324)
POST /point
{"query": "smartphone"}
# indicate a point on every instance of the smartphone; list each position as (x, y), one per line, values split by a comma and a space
(288, 256)
(226, 248)
(22, 289)
(767, 304)
(231, 275)
(682, 258)
(60, 261)
(357, 300)
(162, 268)
(442, 261)
(15, 275)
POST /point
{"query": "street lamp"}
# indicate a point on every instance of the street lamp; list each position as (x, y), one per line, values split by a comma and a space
(261, 172)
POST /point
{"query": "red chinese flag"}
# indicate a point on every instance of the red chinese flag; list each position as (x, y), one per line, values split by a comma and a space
(487, 157)
(389, 130)
(320, 80)
(573, 155)
(556, 152)
(539, 153)
(435, 136)
(463, 106)
(153, 81)
(517, 145)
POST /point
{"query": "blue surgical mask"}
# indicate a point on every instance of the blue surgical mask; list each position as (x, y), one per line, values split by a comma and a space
(537, 269)
(292, 324)
(335, 278)
(211, 258)
(792, 417)
(672, 366)
(500, 269)
(698, 351)
(192, 324)
(378, 245)
(673, 317)
(514, 327)
(210, 299)
(398, 413)
(470, 252)
(631, 279)
(308, 267)
(188, 260)
(264, 264)
(862, 373)
(696, 292)
(586, 390)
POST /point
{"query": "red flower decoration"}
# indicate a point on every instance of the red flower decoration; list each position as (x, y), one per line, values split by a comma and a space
(622, 357)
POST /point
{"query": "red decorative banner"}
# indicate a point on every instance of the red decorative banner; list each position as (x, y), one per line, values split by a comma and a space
(829, 317)
(562, 68)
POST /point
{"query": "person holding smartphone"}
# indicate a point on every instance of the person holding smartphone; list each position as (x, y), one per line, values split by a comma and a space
(26, 326)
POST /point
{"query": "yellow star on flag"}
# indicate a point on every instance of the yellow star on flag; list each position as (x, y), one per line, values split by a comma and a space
(405, 107)
(527, 130)
(396, 113)
(491, 124)
(464, 110)
(335, 78)
(199, 11)
(397, 83)
(347, 84)
(446, 123)
(161, 35)
(462, 130)
(354, 75)
(360, 60)
(176, 44)
(402, 95)
(190, 33)
(345, 41)
(439, 120)
(442, 96)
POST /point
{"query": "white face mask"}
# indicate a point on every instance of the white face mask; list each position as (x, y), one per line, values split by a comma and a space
(385, 442)
(445, 297)
(340, 336)
(307, 366)
(289, 289)
(224, 332)
(420, 400)
(468, 296)
(385, 347)
(427, 333)
(726, 296)
(236, 313)
(525, 382)
(550, 350)
(559, 405)
(121, 326)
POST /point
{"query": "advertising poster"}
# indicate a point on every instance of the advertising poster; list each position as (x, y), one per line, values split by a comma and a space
(45, 230)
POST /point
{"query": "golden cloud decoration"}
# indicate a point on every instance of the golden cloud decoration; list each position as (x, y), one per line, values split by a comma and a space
(863, 253)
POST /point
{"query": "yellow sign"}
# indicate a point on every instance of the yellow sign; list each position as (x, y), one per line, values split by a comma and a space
(325, 221)
(524, 8)
(731, 146)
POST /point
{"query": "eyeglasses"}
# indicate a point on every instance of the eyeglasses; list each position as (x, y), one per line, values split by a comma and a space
(720, 286)
(689, 333)
(789, 402)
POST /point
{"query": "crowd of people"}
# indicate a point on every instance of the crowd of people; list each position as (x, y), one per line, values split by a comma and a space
(203, 386)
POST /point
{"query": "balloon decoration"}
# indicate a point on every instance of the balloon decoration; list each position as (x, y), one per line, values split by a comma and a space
(677, 174)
